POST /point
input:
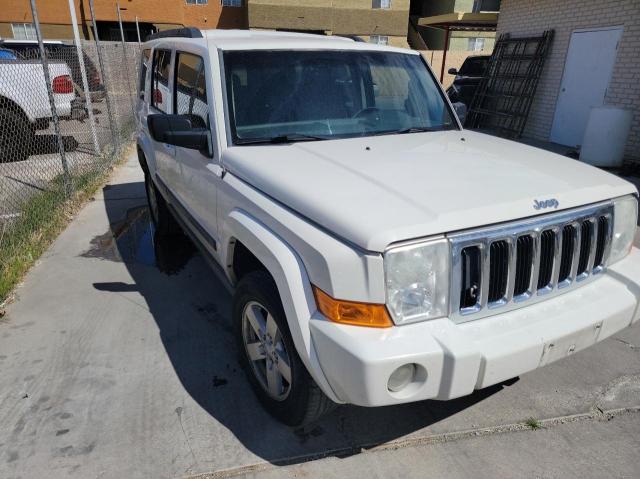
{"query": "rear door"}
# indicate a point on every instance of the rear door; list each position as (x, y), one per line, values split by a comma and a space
(167, 168)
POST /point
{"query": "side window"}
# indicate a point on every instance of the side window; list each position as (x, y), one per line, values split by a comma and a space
(190, 96)
(144, 61)
(160, 79)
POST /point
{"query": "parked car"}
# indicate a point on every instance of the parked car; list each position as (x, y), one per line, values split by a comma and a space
(24, 102)
(377, 252)
(467, 79)
(59, 51)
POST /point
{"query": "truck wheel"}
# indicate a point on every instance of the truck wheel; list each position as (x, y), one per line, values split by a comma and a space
(278, 376)
(16, 136)
(161, 216)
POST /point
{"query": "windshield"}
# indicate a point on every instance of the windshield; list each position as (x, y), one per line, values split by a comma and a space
(474, 66)
(314, 95)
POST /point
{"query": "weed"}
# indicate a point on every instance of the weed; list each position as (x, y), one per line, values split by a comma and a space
(533, 423)
(42, 219)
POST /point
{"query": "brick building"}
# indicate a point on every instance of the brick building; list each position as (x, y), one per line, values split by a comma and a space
(617, 19)
(379, 21)
(152, 15)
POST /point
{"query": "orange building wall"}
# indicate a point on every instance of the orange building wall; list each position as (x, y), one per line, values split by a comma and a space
(171, 12)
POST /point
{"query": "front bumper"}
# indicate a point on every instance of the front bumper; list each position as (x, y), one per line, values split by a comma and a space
(459, 358)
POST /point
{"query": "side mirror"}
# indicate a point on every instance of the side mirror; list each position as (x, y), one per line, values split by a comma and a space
(461, 110)
(179, 130)
(452, 71)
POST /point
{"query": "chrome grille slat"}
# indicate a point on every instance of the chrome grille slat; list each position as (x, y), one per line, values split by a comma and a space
(577, 250)
(592, 244)
(555, 240)
(511, 278)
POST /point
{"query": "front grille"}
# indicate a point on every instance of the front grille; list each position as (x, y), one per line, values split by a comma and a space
(547, 254)
(498, 270)
(524, 263)
(568, 250)
(519, 263)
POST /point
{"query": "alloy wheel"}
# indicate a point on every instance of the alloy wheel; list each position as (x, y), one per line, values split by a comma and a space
(266, 351)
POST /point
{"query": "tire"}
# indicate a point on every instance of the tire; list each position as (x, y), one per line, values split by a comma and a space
(159, 212)
(300, 400)
(16, 136)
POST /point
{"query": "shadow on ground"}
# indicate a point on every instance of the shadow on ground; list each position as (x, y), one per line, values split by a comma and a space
(192, 311)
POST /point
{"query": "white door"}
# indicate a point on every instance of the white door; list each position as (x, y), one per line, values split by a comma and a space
(587, 71)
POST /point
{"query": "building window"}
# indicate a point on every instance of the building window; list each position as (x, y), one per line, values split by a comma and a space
(475, 44)
(379, 39)
(197, 2)
(231, 3)
(381, 4)
(24, 31)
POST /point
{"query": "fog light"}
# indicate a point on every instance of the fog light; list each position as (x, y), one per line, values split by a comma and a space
(401, 377)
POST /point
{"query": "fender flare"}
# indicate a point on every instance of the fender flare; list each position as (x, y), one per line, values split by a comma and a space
(144, 145)
(293, 284)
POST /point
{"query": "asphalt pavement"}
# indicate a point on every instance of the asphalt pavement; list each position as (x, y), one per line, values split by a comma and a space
(117, 360)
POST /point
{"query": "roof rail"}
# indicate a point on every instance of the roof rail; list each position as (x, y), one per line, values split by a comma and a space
(355, 38)
(185, 32)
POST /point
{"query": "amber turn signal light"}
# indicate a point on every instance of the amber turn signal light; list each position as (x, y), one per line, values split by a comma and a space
(349, 312)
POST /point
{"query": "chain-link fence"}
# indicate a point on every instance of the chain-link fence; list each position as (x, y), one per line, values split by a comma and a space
(49, 153)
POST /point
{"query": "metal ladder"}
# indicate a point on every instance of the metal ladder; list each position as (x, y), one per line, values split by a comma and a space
(503, 100)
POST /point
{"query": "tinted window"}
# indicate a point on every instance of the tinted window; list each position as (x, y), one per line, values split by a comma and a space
(190, 88)
(160, 79)
(474, 66)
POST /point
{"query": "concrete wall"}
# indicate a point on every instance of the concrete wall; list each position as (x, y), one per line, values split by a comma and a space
(55, 19)
(526, 17)
(355, 17)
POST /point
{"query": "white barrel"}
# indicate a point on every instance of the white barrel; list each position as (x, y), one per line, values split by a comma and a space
(606, 136)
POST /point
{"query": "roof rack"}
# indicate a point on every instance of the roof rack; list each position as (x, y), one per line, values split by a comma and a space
(185, 32)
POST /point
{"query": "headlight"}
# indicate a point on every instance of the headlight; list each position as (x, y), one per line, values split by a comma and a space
(625, 217)
(417, 281)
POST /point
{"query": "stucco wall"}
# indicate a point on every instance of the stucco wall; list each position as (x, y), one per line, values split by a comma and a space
(355, 17)
(527, 17)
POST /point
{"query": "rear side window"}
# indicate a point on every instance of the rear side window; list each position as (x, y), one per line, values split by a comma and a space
(160, 80)
(191, 89)
(144, 61)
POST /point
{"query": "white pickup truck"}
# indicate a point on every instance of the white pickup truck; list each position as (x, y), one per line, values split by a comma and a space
(378, 253)
(24, 103)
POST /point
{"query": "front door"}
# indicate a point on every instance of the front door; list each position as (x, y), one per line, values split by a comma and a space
(201, 174)
(587, 71)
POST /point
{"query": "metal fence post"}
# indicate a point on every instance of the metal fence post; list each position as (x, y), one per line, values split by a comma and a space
(124, 59)
(83, 72)
(138, 30)
(96, 38)
(54, 113)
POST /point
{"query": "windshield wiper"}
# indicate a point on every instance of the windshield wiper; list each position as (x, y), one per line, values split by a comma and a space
(415, 129)
(289, 138)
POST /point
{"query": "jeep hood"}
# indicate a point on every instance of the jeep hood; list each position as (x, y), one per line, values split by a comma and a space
(375, 191)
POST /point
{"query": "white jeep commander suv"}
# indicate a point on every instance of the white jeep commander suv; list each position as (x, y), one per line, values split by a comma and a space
(378, 253)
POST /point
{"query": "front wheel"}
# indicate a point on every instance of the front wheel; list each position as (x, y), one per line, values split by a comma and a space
(278, 376)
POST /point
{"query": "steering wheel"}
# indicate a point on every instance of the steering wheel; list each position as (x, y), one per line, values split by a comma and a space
(367, 114)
